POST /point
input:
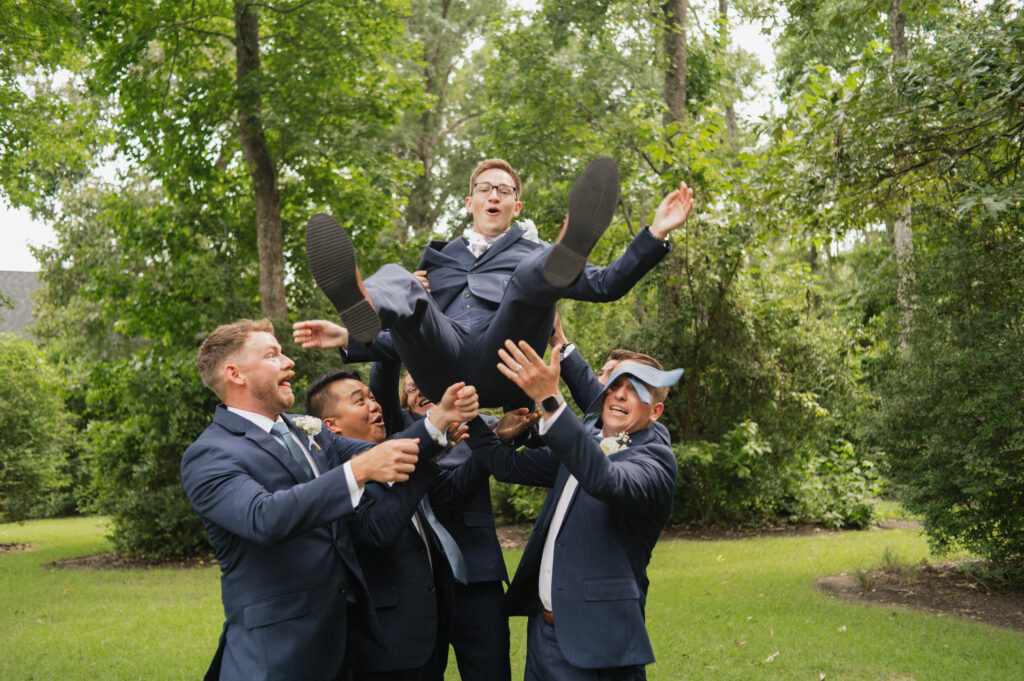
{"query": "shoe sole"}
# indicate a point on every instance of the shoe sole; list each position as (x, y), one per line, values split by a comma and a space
(332, 261)
(592, 203)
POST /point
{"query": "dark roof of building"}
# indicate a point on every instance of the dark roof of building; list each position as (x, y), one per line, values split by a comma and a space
(18, 286)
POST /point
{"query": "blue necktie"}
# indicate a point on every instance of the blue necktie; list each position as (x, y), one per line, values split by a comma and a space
(451, 550)
(281, 430)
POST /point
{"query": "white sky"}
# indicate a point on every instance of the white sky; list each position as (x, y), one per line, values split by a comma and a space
(18, 230)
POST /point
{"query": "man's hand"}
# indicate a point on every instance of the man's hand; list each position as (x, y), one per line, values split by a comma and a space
(457, 432)
(523, 366)
(390, 461)
(459, 404)
(673, 211)
(320, 333)
(513, 423)
(557, 337)
(422, 276)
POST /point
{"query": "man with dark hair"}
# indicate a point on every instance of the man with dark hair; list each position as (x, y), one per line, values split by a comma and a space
(582, 580)
(269, 489)
(411, 557)
(496, 282)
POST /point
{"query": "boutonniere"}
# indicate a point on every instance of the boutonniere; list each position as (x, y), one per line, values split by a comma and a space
(614, 443)
(310, 425)
(529, 230)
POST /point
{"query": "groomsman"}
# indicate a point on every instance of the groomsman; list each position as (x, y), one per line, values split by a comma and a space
(582, 580)
(270, 488)
(412, 564)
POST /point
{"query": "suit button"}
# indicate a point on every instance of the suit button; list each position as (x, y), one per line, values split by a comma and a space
(422, 549)
(467, 307)
(431, 588)
(465, 295)
(341, 589)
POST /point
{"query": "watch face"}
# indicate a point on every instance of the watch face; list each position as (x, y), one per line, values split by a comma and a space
(549, 403)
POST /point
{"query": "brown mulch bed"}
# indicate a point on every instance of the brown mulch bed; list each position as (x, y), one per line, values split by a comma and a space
(14, 548)
(942, 588)
(113, 561)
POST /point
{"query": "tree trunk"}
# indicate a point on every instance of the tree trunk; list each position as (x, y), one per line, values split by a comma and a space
(269, 233)
(675, 54)
(730, 111)
(903, 240)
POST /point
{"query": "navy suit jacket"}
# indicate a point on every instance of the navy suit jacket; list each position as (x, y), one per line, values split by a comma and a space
(468, 517)
(599, 578)
(453, 271)
(412, 595)
(474, 304)
(287, 566)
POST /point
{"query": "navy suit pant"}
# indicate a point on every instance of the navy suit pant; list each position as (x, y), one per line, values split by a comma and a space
(545, 662)
(480, 633)
(439, 351)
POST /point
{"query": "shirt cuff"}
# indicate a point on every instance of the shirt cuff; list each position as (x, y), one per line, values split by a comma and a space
(566, 350)
(435, 434)
(354, 490)
(546, 421)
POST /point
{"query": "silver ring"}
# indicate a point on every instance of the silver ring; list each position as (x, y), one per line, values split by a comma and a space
(518, 367)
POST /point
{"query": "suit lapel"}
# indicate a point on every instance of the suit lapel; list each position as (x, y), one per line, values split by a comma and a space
(514, 234)
(243, 427)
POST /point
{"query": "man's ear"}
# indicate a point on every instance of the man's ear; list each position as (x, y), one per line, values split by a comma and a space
(469, 205)
(519, 207)
(232, 376)
(657, 410)
(332, 425)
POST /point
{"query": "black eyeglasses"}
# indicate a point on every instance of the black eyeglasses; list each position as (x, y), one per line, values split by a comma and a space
(484, 188)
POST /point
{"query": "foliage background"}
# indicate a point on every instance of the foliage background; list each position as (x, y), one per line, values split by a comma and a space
(845, 300)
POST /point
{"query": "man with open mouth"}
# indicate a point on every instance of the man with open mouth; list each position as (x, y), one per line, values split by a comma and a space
(446, 321)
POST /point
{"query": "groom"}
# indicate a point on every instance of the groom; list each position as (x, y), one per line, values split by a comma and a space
(498, 282)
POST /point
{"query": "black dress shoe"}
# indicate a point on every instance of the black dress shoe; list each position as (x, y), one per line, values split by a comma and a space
(592, 204)
(332, 261)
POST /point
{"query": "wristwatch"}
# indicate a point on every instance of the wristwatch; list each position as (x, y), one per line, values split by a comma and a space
(551, 403)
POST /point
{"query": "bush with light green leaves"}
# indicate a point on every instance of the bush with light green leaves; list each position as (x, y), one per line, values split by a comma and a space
(34, 429)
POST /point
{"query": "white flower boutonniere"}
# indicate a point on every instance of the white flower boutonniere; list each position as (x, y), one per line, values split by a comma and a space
(529, 231)
(614, 443)
(310, 425)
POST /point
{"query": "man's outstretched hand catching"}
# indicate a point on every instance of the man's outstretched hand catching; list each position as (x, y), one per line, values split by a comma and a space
(320, 333)
(673, 211)
(390, 461)
(523, 366)
(459, 404)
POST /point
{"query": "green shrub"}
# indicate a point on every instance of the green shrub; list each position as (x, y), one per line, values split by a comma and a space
(840, 489)
(34, 430)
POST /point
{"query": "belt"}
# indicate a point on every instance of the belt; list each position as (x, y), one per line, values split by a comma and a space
(549, 618)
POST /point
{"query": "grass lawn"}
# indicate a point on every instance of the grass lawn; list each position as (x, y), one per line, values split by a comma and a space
(738, 609)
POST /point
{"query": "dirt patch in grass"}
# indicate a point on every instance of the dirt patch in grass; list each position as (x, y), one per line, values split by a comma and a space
(113, 561)
(947, 589)
(14, 548)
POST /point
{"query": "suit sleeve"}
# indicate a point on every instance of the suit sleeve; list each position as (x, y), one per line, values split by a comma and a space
(529, 467)
(457, 486)
(604, 284)
(384, 384)
(223, 490)
(580, 379)
(384, 511)
(639, 483)
(380, 348)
